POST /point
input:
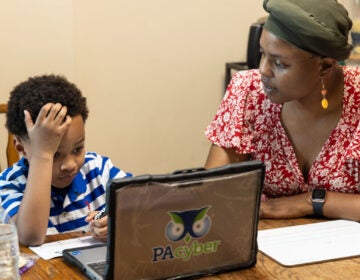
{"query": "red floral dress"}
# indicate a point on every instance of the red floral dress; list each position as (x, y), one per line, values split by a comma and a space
(248, 122)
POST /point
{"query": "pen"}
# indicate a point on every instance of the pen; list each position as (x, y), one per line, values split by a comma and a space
(26, 267)
(100, 214)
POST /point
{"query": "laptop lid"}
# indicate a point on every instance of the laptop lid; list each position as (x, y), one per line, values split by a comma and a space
(188, 223)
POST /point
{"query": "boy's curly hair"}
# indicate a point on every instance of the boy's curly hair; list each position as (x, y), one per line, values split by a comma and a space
(32, 94)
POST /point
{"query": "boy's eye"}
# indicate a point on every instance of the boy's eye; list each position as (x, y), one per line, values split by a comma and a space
(78, 150)
(56, 155)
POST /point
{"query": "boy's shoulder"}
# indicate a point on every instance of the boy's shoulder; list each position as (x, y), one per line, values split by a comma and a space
(99, 165)
(94, 158)
(92, 155)
(15, 172)
(95, 155)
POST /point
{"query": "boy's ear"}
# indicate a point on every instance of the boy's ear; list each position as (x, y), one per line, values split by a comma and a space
(19, 146)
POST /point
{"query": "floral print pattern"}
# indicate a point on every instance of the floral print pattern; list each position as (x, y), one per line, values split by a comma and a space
(249, 123)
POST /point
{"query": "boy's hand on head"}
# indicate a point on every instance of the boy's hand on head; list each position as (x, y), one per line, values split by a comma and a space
(49, 128)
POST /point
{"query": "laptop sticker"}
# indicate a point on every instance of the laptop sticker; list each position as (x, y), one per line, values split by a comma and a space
(183, 227)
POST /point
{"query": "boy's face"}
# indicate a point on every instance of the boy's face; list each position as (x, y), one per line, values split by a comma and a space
(70, 155)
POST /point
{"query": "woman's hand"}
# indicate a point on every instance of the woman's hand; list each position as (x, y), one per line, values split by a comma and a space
(337, 206)
(294, 206)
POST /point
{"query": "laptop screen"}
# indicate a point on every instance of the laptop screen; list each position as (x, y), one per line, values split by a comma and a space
(165, 227)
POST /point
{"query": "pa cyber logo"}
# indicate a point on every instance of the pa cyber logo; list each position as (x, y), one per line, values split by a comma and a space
(188, 224)
(183, 228)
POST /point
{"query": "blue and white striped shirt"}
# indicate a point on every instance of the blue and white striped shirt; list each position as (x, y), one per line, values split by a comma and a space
(68, 209)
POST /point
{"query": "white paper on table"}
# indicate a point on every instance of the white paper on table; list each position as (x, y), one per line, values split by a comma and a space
(317, 242)
(54, 249)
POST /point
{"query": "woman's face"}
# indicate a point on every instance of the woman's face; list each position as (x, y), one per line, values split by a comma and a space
(288, 73)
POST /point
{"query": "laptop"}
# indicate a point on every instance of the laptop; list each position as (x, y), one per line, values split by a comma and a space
(184, 224)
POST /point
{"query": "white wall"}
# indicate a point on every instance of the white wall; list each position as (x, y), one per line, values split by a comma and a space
(36, 38)
(152, 71)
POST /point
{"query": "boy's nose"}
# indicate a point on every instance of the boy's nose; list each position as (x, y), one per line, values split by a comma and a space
(68, 165)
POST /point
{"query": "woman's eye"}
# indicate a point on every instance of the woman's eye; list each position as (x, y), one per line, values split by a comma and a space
(279, 64)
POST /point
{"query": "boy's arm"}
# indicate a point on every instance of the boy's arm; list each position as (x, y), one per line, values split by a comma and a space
(33, 215)
(44, 138)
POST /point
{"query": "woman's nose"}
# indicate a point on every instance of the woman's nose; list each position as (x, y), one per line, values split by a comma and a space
(265, 67)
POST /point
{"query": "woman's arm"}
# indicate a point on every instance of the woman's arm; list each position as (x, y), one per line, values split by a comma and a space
(219, 156)
(337, 206)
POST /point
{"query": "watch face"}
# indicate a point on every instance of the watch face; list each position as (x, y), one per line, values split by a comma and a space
(318, 194)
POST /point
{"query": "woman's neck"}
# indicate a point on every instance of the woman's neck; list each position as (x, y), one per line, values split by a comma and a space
(311, 107)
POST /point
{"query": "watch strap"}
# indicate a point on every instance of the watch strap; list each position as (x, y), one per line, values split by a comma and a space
(318, 208)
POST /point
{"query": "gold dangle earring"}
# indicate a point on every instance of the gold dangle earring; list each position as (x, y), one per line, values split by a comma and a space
(324, 101)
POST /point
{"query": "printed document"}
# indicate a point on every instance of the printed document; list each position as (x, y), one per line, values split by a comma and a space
(54, 249)
(316, 242)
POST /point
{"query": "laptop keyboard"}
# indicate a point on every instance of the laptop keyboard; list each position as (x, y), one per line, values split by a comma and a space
(98, 267)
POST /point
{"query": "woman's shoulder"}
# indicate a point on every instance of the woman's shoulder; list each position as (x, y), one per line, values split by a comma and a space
(351, 75)
(351, 87)
(246, 79)
(245, 88)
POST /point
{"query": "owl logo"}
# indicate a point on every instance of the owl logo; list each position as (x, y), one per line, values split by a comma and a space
(189, 224)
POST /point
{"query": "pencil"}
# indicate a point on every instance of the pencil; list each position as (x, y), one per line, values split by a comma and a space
(88, 205)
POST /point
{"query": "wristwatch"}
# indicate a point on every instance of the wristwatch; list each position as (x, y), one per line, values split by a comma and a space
(318, 200)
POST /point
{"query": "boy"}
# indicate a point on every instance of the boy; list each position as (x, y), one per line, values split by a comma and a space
(55, 184)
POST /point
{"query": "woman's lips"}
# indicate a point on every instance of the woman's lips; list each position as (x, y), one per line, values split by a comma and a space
(268, 89)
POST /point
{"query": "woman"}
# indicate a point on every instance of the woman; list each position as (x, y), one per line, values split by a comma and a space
(298, 113)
